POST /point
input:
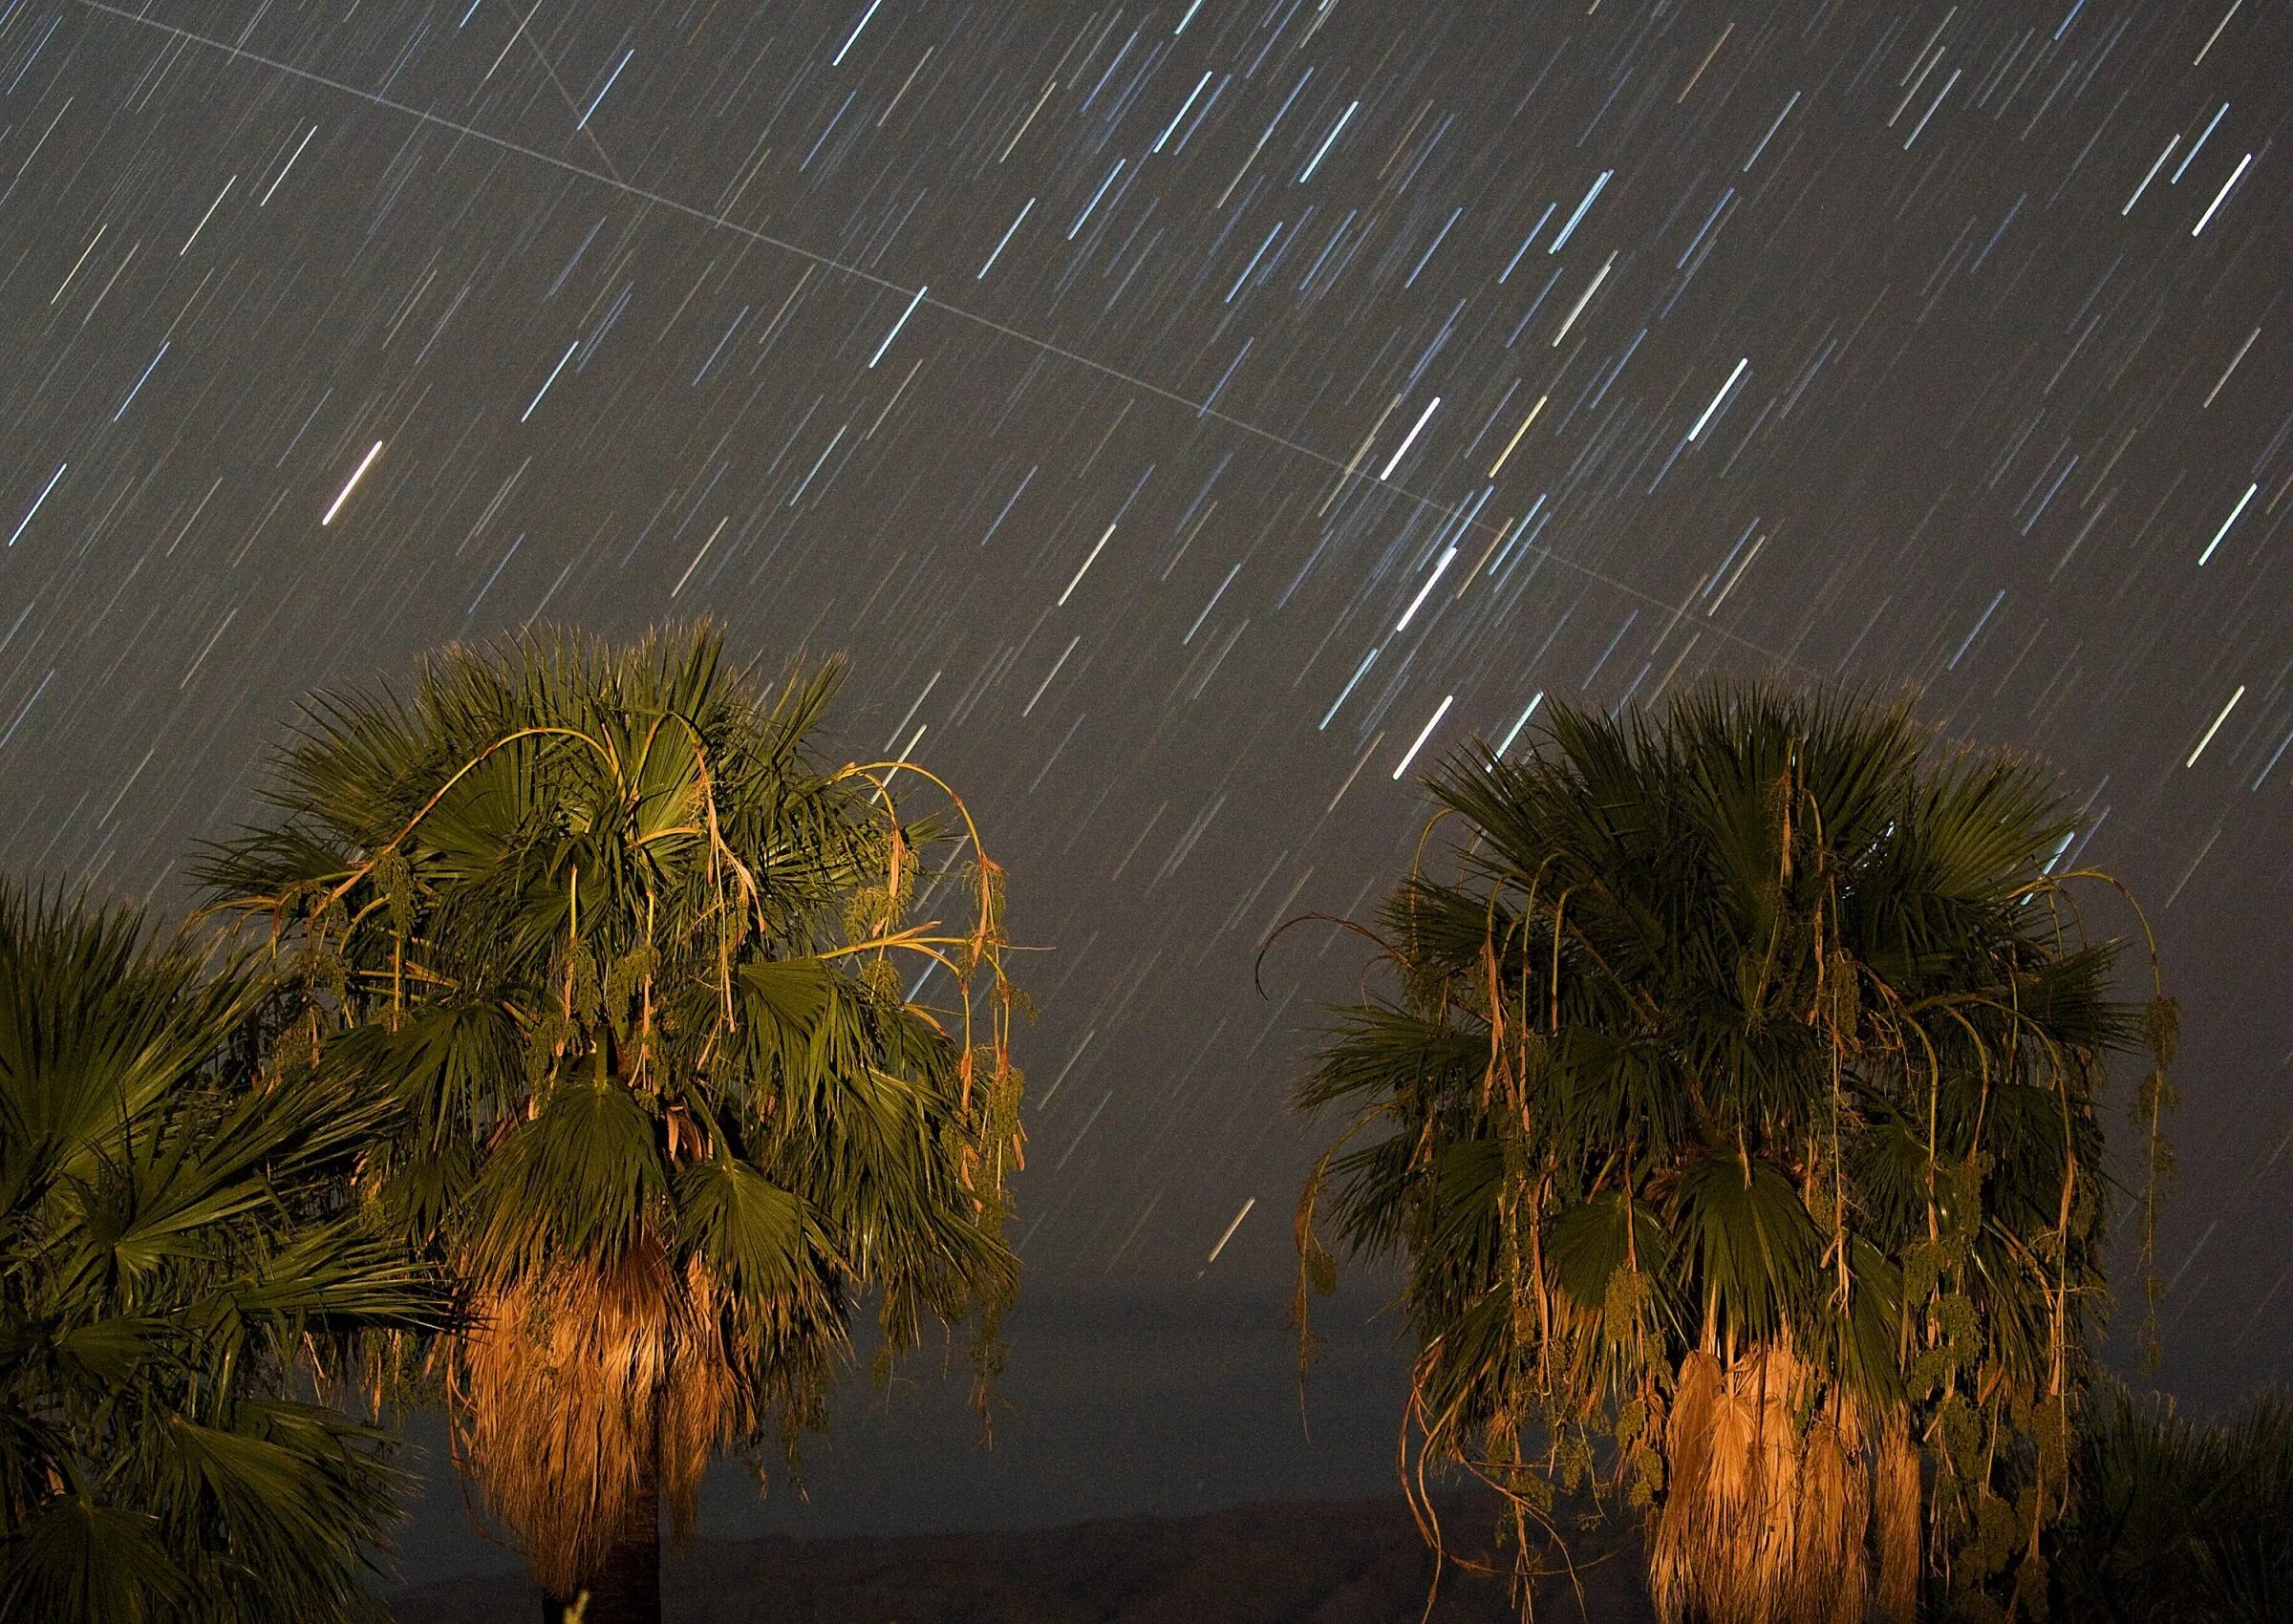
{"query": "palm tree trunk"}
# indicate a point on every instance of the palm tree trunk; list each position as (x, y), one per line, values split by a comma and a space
(625, 1587)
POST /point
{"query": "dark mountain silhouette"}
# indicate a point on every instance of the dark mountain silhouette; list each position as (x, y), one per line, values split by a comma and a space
(1323, 1562)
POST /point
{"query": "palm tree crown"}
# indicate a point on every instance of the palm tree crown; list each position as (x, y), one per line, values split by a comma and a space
(170, 1263)
(622, 957)
(1734, 1109)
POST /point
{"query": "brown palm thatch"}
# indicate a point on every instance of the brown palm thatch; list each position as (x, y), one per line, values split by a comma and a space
(586, 1395)
(1767, 1516)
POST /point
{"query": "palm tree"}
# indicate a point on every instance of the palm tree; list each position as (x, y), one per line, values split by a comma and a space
(1733, 1112)
(171, 1268)
(623, 960)
(2179, 1521)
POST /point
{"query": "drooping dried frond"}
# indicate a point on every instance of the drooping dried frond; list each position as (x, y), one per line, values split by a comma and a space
(1897, 1517)
(1765, 1518)
(1832, 1571)
(1750, 1042)
(584, 1392)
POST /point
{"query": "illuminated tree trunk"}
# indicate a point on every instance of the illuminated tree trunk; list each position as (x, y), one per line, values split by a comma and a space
(625, 1587)
(1768, 1522)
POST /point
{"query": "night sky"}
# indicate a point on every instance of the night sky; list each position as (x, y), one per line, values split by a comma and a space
(1191, 419)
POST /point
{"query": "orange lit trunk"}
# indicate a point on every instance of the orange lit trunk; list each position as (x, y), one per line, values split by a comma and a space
(625, 1587)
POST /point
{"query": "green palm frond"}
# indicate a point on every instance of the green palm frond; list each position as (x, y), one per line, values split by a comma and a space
(1750, 1245)
(76, 1558)
(580, 1177)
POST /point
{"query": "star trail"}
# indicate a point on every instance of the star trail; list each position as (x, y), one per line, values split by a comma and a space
(1194, 419)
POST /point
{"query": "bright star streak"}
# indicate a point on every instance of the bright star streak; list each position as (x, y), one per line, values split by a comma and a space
(2172, 141)
(2226, 525)
(140, 382)
(599, 97)
(1522, 723)
(1007, 236)
(837, 61)
(1229, 1231)
(1087, 566)
(2216, 727)
(2220, 195)
(1442, 712)
(1408, 440)
(1360, 671)
(1307, 173)
(1562, 241)
(1415, 604)
(35, 503)
(1171, 127)
(298, 152)
(548, 381)
(1584, 299)
(1717, 398)
(902, 322)
(359, 473)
